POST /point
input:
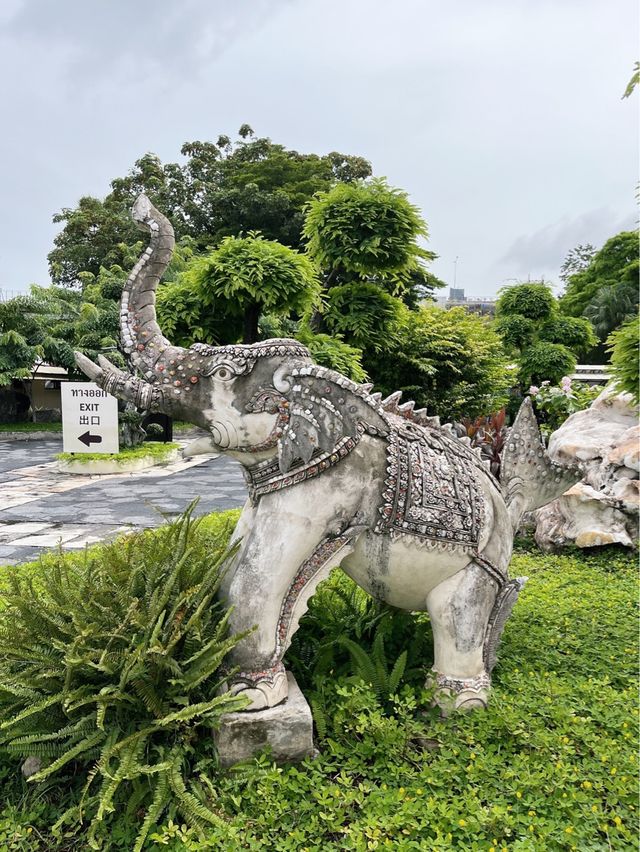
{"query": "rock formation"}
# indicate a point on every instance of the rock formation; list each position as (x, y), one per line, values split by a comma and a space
(603, 507)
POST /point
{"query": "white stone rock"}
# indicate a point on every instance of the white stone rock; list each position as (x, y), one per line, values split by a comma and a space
(603, 507)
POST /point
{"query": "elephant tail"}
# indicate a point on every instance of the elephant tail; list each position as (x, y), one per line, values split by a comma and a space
(528, 477)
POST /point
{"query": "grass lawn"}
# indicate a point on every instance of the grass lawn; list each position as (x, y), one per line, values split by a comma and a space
(552, 764)
(30, 427)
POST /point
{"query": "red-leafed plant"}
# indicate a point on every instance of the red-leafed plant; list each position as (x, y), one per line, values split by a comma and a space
(488, 433)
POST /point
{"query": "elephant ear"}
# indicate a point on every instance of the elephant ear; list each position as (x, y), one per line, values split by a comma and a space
(324, 407)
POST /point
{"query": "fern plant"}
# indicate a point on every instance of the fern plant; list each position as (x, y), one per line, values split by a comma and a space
(111, 668)
(373, 668)
(347, 633)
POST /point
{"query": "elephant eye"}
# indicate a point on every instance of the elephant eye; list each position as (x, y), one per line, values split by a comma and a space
(224, 372)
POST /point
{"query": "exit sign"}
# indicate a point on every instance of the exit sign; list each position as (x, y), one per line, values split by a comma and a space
(89, 419)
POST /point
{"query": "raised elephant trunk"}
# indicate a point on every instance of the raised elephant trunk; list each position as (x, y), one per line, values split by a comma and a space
(142, 339)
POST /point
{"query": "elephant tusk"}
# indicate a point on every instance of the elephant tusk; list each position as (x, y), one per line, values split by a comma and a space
(91, 370)
(200, 446)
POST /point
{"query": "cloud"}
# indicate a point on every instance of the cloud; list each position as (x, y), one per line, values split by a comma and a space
(136, 38)
(543, 251)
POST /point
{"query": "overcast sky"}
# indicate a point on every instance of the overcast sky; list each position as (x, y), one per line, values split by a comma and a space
(503, 119)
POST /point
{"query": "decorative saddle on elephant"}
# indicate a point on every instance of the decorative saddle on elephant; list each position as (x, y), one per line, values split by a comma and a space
(431, 490)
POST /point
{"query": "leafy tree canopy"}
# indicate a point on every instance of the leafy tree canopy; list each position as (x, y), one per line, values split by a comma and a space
(222, 189)
(614, 304)
(534, 301)
(624, 345)
(364, 237)
(576, 261)
(545, 361)
(363, 313)
(614, 265)
(48, 324)
(365, 230)
(633, 81)
(222, 294)
(451, 362)
(538, 335)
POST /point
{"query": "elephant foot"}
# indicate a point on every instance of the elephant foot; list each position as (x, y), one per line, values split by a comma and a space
(459, 694)
(265, 688)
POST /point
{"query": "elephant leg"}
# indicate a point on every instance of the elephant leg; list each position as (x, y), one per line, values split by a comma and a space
(459, 609)
(268, 586)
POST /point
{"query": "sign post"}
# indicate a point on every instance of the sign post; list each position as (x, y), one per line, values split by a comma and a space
(89, 419)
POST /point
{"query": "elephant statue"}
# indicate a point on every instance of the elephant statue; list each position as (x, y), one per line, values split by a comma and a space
(337, 476)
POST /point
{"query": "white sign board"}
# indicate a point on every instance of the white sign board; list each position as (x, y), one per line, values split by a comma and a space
(89, 419)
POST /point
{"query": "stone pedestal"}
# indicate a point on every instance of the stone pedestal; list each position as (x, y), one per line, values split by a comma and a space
(287, 728)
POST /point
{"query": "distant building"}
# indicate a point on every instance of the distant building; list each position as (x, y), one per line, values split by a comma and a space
(457, 299)
(37, 398)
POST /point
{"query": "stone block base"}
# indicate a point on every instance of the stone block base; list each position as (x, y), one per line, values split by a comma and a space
(287, 728)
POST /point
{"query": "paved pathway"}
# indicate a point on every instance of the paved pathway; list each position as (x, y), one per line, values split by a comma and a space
(41, 508)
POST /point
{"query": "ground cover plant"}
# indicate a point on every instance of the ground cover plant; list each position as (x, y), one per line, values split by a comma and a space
(30, 427)
(551, 765)
(152, 449)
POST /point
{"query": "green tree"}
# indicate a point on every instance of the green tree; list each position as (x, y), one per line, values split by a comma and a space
(451, 362)
(614, 304)
(364, 230)
(544, 342)
(364, 237)
(614, 265)
(624, 346)
(222, 189)
(95, 234)
(576, 260)
(222, 295)
(48, 324)
(633, 81)
(363, 313)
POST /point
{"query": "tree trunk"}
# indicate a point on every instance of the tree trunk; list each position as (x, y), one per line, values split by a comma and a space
(316, 323)
(251, 317)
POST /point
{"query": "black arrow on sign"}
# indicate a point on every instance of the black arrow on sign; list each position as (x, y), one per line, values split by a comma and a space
(88, 439)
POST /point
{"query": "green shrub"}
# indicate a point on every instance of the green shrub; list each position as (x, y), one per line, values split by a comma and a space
(451, 362)
(331, 351)
(113, 669)
(544, 342)
(362, 313)
(148, 449)
(346, 633)
(533, 301)
(576, 333)
(516, 331)
(545, 362)
(554, 404)
(624, 346)
(364, 227)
